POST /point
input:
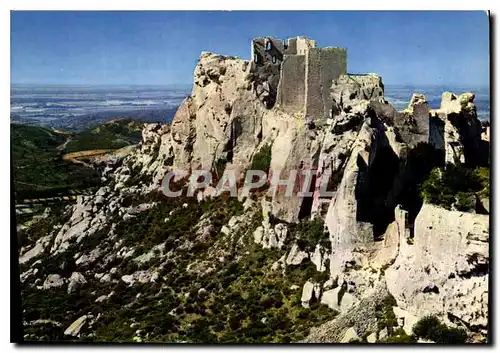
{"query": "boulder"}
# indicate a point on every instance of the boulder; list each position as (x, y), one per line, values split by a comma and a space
(53, 281)
(406, 320)
(371, 338)
(383, 334)
(296, 256)
(76, 281)
(349, 336)
(101, 298)
(338, 300)
(75, 328)
(310, 291)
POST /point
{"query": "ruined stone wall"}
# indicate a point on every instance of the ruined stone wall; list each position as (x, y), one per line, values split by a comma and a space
(323, 66)
(266, 56)
(292, 47)
(291, 90)
(304, 44)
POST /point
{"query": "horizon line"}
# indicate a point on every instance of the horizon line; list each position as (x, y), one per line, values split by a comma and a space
(191, 84)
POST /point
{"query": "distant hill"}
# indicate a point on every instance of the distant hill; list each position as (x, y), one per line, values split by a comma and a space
(79, 123)
(113, 134)
(38, 167)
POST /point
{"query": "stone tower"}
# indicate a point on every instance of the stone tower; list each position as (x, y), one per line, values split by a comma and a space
(305, 71)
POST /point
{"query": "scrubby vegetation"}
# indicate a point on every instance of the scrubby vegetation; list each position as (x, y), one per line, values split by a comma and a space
(211, 288)
(385, 315)
(111, 135)
(262, 159)
(39, 170)
(456, 187)
(429, 327)
(311, 232)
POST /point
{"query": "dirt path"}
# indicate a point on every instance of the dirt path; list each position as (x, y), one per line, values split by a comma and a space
(63, 145)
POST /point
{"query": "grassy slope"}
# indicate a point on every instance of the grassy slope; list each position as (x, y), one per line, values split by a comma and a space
(38, 169)
(111, 135)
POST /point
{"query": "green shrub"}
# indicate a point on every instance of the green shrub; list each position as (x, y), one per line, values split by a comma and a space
(311, 232)
(262, 159)
(426, 326)
(385, 314)
(455, 186)
(430, 327)
(400, 336)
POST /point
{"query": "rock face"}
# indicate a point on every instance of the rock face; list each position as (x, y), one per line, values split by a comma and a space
(445, 270)
(356, 87)
(361, 318)
(462, 128)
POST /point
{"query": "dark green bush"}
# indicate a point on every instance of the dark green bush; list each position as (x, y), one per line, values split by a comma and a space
(430, 327)
(426, 326)
(455, 186)
(262, 159)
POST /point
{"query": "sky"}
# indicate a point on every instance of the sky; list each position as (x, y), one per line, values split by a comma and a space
(162, 47)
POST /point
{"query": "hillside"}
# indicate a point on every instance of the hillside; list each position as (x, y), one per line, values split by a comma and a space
(113, 134)
(41, 168)
(38, 167)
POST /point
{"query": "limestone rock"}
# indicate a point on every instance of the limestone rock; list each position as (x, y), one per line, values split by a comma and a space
(339, 300)
(309, 292)
(101, 298)
(296, 256)
(36, 250)
(383, 334)
(349, 336)
(451, 251)
(141, 277)
(363, 317)
(408, 320)
(75, 328)
(348, 90)
(53, 281)
(462, 128)
(342, 217)
(75, 282)
(318, 258)
(371, 338)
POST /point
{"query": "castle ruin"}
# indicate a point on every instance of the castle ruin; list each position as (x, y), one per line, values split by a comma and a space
(305, 73)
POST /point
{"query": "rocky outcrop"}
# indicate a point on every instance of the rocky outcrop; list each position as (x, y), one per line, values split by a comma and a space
(348, 88)
(445, 271)
(310, 291)
(462, 128)
(76, 281)
(362, 318)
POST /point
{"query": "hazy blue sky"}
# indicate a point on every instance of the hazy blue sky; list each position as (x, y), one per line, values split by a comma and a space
(163, 47)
